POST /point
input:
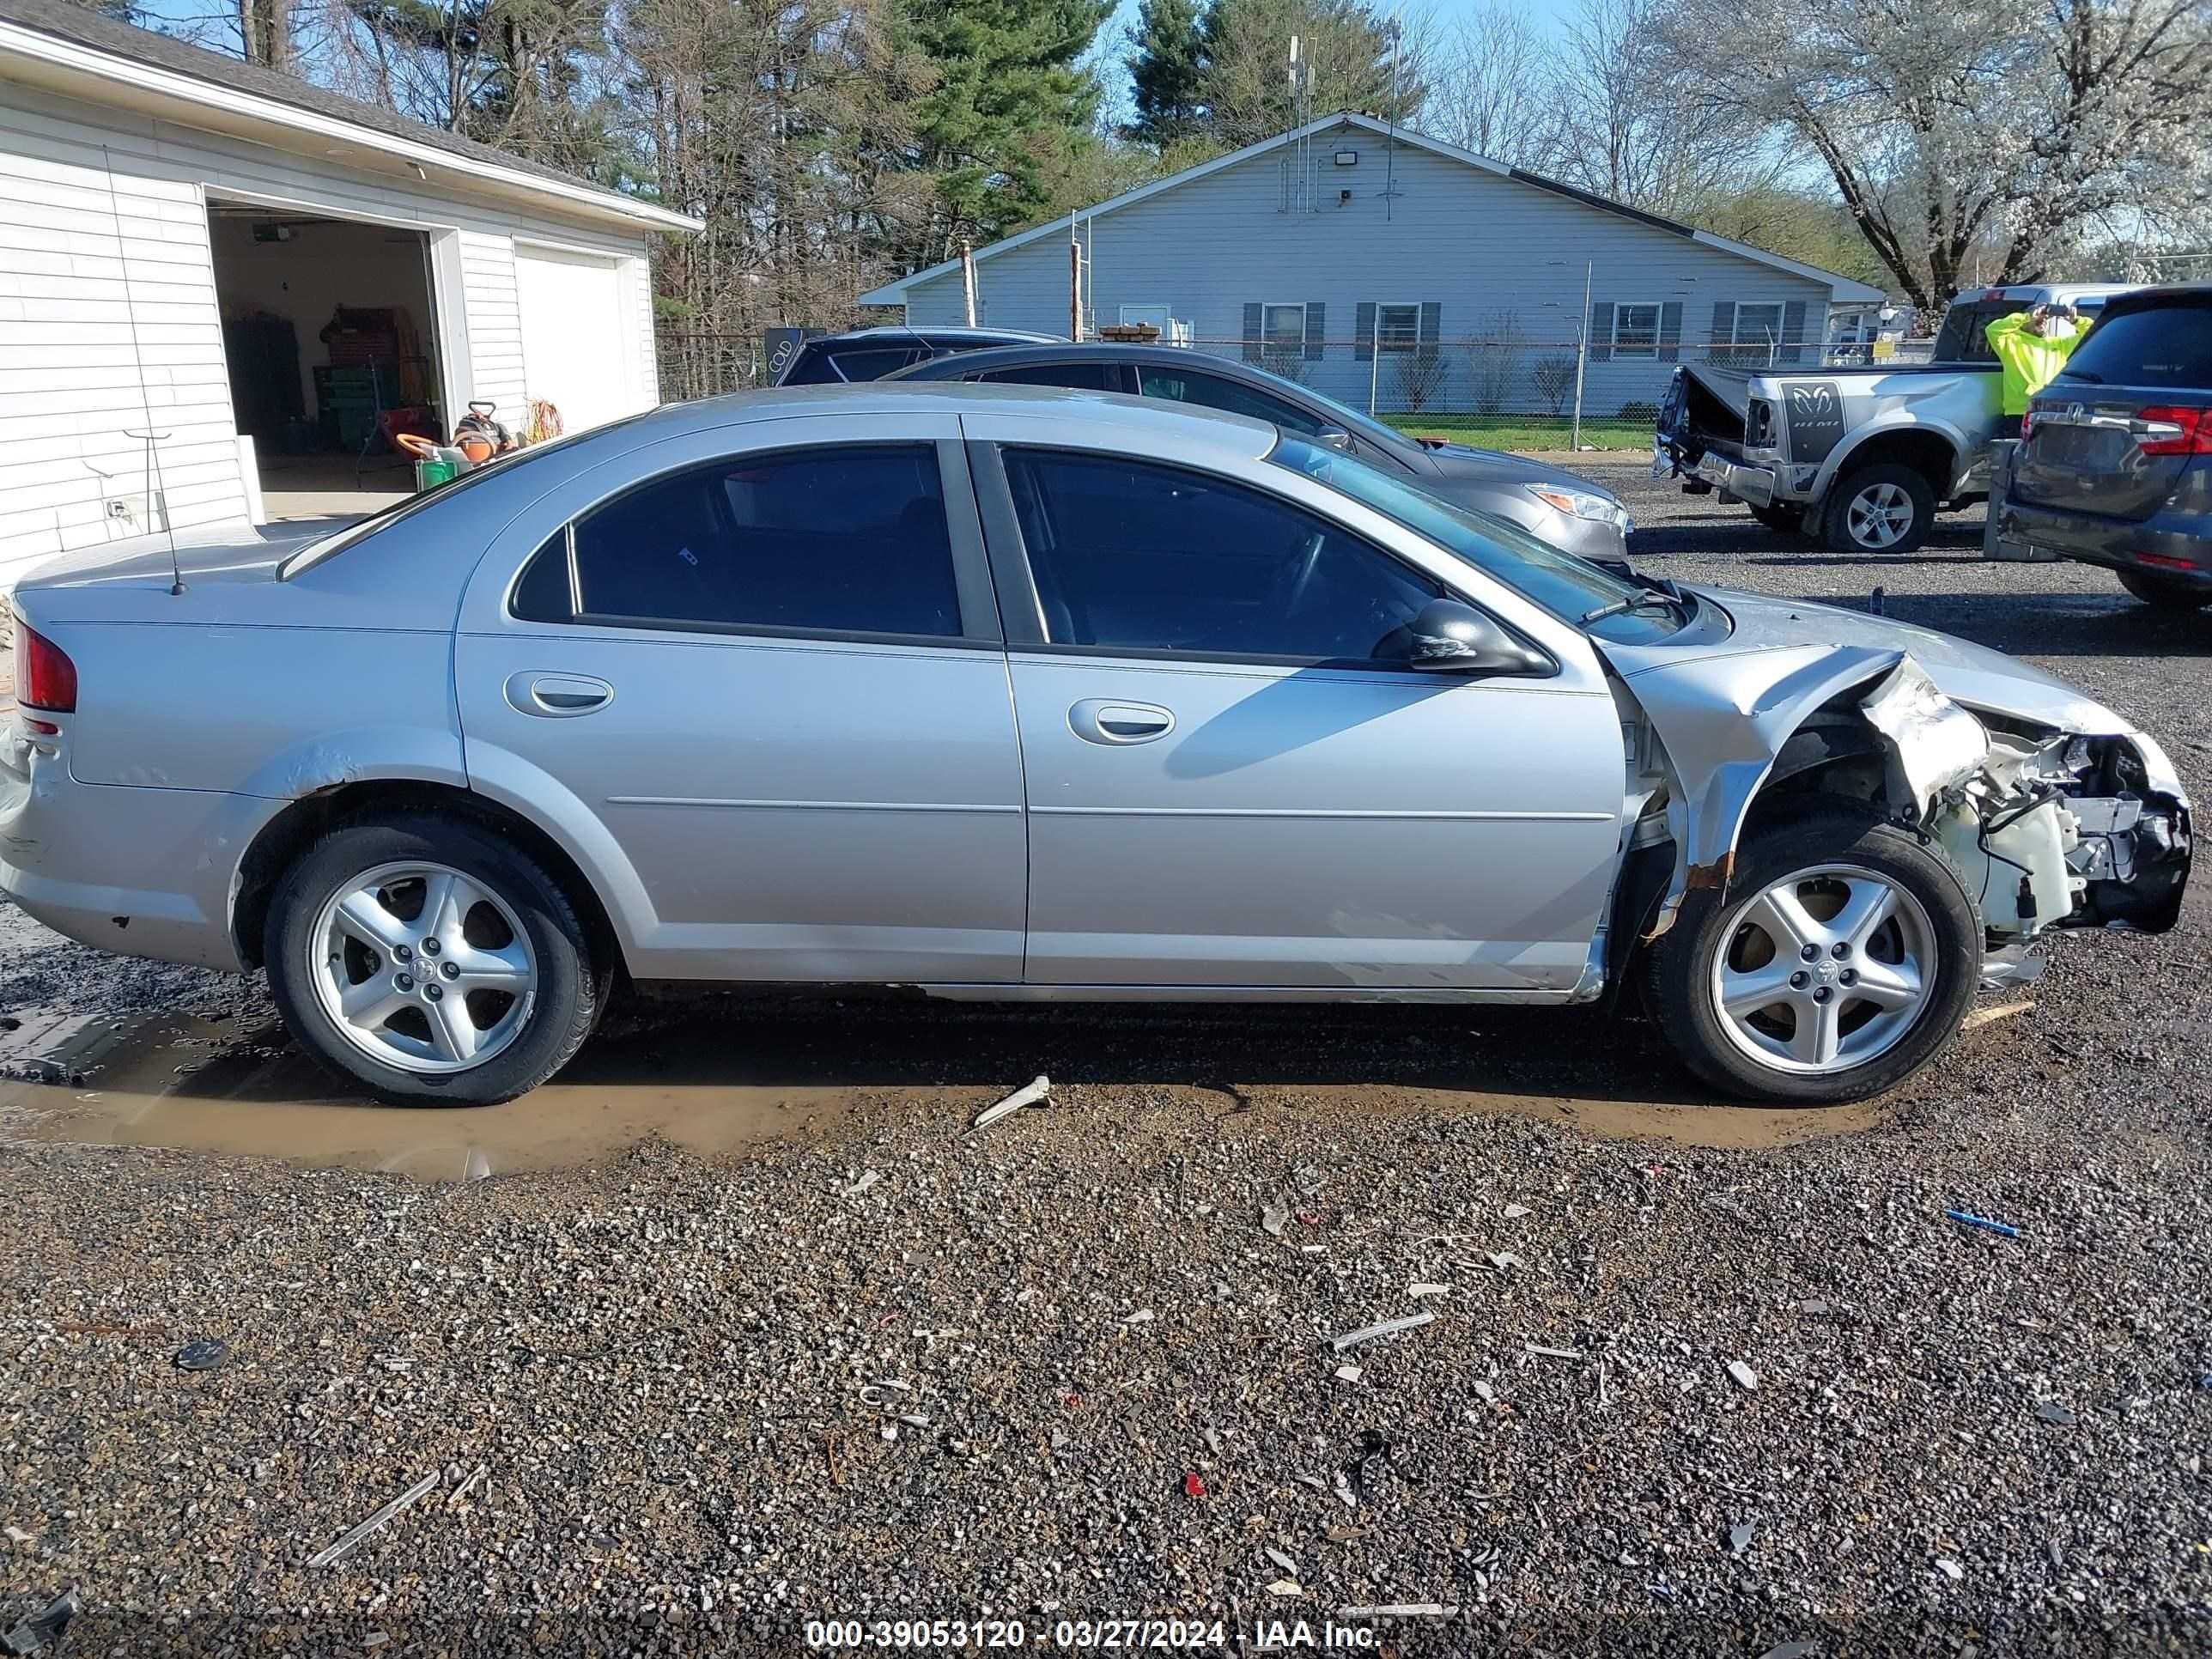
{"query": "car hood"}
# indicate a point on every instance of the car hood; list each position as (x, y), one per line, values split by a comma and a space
(1496, 466)
(1772, 629)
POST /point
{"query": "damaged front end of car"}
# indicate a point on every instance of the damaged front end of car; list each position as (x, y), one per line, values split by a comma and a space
(2075, 823)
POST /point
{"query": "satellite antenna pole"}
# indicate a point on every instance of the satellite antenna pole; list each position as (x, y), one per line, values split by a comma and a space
(1391, 147)
(155, 488)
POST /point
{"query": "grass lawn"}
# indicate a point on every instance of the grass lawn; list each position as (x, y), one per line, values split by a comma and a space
(1522, 431)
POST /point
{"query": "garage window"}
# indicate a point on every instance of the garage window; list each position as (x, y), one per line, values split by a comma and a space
(818, 541)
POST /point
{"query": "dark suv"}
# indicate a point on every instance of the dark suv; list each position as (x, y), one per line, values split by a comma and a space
(869, 354)
(2115, 460)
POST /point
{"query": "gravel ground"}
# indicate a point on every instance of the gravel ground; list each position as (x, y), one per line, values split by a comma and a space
(1110, 1319)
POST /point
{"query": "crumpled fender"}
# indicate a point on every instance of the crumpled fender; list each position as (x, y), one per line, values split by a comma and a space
(1721, 748)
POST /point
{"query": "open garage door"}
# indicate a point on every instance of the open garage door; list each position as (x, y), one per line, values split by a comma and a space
(576, 336)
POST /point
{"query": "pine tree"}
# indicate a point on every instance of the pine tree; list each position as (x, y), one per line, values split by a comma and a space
(1347, 44)
(1168, 68)
(1010, 95)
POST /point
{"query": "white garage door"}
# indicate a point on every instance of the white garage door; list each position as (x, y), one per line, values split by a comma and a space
(577, 336)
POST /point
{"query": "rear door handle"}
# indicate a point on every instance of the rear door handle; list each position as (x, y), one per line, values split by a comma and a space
(558, 697)
(1112, 722)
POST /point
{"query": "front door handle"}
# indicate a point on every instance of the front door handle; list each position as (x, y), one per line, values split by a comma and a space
(558, 697)
(1112, 722)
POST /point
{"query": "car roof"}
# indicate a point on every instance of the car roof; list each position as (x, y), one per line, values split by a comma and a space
(1057, 351)
(2048, 291)
(2151, 299)
(927, 332)
(1175, 422)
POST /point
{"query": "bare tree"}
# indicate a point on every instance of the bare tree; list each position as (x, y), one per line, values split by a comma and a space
(1970, 132)
(1622, 129)
(1489, 87)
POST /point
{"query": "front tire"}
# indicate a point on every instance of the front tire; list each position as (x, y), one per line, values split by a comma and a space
(1841, 961)
(1885, 509)
(429, 963)
(2167, 592)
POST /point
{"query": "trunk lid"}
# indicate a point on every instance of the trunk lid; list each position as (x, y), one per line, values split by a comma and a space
(219, 553)
(2116, 431)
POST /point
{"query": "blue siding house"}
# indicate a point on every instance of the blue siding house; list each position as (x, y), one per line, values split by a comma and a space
(1394, 272)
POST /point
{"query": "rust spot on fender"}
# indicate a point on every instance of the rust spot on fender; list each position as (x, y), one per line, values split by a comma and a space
(1711, 878)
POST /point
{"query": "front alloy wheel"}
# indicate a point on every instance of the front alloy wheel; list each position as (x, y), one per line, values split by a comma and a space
(1842, 958)
(1825, 970)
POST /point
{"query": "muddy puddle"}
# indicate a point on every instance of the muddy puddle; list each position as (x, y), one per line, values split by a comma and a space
(721, 1079)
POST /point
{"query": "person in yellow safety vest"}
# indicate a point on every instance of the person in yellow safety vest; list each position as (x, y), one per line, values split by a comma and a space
(2032, 346)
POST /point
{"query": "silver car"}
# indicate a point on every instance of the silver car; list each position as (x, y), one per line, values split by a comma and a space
(1010, 693)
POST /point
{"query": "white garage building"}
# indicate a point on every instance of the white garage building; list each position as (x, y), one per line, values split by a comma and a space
(269, 278)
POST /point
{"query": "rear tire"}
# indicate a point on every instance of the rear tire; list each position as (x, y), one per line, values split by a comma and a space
(1882, 509)
(2167, 592)
(1723, 981)
(477, 1003)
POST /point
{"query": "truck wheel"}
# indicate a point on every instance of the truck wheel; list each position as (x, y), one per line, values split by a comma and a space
(1887, 507)
(2167, 592)
(426, 961)
(1842, 959)
(1784, 518)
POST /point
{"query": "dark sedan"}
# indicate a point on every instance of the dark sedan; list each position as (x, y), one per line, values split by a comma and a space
(1563, 508)
(870, 354)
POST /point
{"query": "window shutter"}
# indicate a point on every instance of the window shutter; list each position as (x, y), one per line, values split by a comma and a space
(1432, 322)
(1316, 329)
(1670, 331)
(1600, 334)
(1252, 326)
(1724, 329)
(1793, 332)
(1363, 332)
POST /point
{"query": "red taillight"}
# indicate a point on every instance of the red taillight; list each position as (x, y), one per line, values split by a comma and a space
(2170, 562)
(2193, 438)
(45, 676)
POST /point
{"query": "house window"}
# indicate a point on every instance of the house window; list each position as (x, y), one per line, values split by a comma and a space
(1758, 325)
(1398, 328)
(1284, 327)
(1636, 330)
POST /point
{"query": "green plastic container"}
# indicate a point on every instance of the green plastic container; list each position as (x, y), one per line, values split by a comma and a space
(428, 475)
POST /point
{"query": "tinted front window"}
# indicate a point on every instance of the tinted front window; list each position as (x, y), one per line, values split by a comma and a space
(1080, 377)
(838, 540)
(1212, 392)
(1132, 556)
(2164, 346)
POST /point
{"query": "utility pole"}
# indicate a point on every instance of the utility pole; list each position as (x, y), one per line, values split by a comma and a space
(1581, 355)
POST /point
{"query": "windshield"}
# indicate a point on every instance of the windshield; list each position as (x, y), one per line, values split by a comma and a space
(1568, 587)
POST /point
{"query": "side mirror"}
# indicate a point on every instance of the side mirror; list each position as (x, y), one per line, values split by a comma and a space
(1334, 437)
(1448, 637)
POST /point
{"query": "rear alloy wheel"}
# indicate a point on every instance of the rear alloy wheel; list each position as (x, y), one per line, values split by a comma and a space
(1843, 958)
(2168, 592)
(1884, 508)
(427, 962)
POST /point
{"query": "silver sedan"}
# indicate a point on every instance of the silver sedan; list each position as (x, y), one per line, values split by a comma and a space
(1007, 693)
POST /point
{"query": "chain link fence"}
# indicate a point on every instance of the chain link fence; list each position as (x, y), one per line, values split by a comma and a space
(1513, 391)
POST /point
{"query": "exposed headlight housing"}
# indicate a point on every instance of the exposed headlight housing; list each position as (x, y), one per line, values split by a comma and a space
(1581, 504)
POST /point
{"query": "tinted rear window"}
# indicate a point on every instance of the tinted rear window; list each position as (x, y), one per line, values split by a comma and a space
(1081, 377)
(847, 540)
(2163, 346)
(874, 362)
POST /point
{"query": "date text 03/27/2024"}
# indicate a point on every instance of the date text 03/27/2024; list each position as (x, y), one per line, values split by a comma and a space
(1139, 1635)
